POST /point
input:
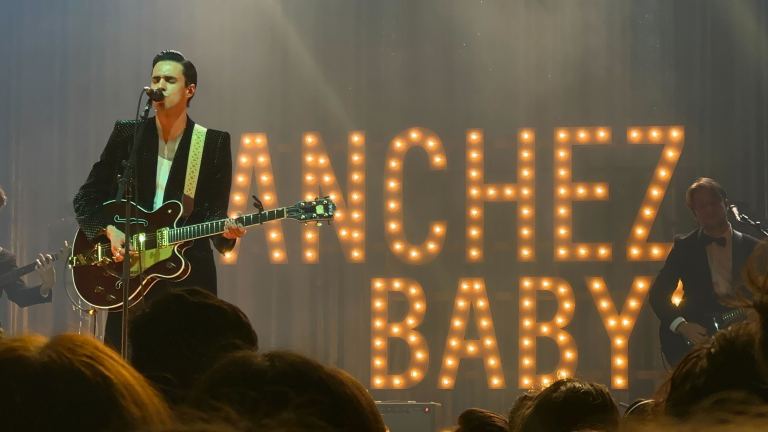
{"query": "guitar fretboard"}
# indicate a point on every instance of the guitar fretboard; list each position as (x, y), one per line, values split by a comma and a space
(317, 211)
(207, 229)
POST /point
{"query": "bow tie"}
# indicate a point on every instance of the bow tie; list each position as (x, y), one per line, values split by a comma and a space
(709, 239)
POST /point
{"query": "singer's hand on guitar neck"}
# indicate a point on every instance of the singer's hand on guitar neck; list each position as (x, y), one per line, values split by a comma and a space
(117, 239)
(693, 332)
(233, 229)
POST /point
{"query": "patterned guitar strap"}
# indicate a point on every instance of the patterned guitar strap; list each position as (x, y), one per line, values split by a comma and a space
(193, 168)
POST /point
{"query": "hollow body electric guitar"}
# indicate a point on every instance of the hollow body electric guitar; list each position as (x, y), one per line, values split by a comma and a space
(157, 245)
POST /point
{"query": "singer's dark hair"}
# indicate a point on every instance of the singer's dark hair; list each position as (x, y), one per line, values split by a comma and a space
(188, 69)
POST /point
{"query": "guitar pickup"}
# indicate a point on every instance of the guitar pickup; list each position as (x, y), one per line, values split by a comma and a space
(162, 238)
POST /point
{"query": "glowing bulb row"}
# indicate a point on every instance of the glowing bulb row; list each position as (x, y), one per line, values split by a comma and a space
(479, 192)
(566, 192)
(349, 218)
(672, 139)
(382, 330)
(530, 330)
(619, 325)
(471, 295)
(254, 162)
(393, 196)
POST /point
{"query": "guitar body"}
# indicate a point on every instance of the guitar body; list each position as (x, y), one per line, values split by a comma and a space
(674, 346)
(97, 278)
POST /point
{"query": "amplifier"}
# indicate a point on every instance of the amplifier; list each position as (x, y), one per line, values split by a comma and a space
(408, 416)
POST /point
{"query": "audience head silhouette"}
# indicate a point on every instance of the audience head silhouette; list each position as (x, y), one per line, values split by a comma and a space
(73, 382)
(182, 334)
(265, 388)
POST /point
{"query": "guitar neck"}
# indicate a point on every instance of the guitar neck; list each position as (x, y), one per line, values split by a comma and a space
(209, 229)
(21, 271)
(731, 317)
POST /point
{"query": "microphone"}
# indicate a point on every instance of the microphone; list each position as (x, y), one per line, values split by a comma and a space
(155, 95)
(735, 212)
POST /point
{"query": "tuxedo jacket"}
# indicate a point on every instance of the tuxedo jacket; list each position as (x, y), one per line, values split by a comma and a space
(17, 291)
(687, 261)
(211, 195)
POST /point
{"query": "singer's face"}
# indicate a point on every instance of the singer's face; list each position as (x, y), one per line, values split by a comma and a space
(169, 76)
(708, 208)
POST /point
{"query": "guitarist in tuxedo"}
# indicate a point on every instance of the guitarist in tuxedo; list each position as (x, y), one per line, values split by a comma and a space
(17, 291)
(161, 166)
(708, 261)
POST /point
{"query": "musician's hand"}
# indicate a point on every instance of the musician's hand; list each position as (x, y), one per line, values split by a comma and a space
(233, 229)
(693, 332)
(44, 268)
(117, 239)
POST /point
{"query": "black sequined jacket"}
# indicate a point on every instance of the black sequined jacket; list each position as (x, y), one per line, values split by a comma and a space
(211, 195)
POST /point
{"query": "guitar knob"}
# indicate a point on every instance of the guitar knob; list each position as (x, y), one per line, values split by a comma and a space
(170, 265)
(111, 298)
(99, 289)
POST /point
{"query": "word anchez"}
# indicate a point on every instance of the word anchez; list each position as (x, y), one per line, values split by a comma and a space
(254, 161)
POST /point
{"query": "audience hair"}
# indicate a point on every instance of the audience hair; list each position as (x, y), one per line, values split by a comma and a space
(74, 382)
(264, 387)
(480, 420)
(755, 276)
(181, 334)
(727, 363)
(519, 407)
(570, 404)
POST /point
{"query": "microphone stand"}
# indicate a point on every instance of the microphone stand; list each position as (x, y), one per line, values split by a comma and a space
(754, 223)
(127, 191)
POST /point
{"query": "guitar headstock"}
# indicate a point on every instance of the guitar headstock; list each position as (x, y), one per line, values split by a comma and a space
(318, 210)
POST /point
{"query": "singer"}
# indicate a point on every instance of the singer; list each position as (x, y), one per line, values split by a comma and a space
(166, 152)
(708, 261)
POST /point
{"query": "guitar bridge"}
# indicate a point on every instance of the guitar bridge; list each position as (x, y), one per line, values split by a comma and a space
(95, 256)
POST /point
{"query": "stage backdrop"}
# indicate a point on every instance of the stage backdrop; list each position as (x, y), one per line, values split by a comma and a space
(509, 174)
